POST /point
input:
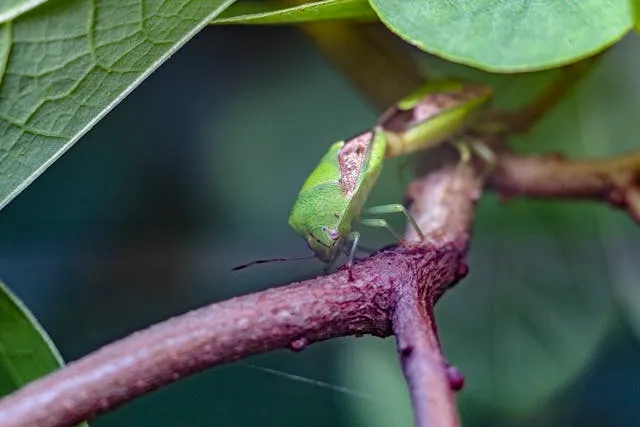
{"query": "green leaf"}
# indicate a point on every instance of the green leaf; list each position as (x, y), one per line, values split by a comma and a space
(9, 9)
(609, 121)
(26, 351)
(260, 12)
(508, 36)
(635, 5)
(535, 308)
(66, 63)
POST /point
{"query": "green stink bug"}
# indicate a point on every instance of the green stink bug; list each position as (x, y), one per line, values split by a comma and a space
(334, 195)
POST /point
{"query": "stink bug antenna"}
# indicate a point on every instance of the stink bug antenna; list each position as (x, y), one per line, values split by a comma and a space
(264, 261)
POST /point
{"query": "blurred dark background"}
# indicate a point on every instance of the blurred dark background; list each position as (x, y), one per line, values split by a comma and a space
(196, 172)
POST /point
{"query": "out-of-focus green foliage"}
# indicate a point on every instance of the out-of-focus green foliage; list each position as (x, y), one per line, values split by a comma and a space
(606, 129)
(26, 351)
(261, 12)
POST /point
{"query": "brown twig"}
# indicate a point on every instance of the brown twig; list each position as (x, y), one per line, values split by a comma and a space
(615, 180)
(413, 321)
(393, 291)
(394, 288)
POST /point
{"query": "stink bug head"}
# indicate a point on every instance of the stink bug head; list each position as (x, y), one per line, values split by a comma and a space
(317, 217)
(325, 243)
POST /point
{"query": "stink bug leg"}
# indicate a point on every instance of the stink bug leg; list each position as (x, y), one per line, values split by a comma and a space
(387, 209)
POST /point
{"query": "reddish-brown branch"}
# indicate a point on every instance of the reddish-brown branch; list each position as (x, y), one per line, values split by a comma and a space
(615, 180)
(446, 208)
(312, 310)
(393, 291)
(422, 362)
(397, 286)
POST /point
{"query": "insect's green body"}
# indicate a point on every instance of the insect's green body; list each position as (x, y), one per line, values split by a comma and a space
(336, 191)
(334, 195)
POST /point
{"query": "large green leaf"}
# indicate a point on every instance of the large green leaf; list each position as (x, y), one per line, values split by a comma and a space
(261, 12)
(508, 35)
(26, 351)
(66, 63)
